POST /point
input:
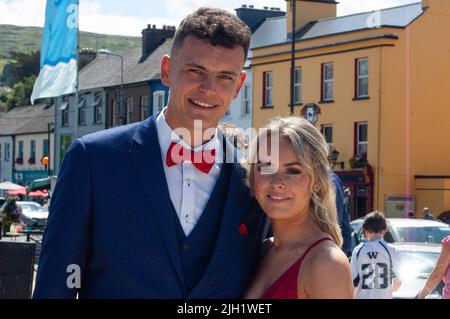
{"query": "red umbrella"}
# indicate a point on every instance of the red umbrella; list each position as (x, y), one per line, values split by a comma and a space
(37, 194)
(18, 192)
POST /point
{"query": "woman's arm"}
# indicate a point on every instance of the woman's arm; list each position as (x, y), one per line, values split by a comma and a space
(438, 272)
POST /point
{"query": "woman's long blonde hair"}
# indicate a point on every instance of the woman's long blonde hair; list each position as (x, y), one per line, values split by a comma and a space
(305, 138)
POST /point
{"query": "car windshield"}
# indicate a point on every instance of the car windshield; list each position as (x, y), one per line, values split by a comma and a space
(417, 264)
(423, 234)
(31, 207)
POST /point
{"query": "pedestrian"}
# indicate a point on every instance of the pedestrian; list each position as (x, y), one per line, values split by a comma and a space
(411, 214)
(375, 262)
(427, 214)
(303, 260)
(159, 209)
(441, 272)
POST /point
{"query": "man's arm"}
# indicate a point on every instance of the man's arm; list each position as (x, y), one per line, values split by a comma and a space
(67, 233)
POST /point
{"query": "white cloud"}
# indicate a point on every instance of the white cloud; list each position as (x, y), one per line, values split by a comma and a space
(93, 18)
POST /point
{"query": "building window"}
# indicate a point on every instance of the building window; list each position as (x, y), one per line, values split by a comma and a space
(129, 110)
(20, 150)
(327, 81)
(65, 112)
(0, 152)
(98, 116)
(158, 101)
(267, 89)
(82, 111)
(144, 107)
(45, 147)
(327, 131)
(32, 149)
(115, 113)
(7, 152)
(361, 139)
(246, 100)
(298, 85)
(362, 78)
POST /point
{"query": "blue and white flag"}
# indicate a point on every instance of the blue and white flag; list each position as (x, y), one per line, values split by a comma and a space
(58, 74)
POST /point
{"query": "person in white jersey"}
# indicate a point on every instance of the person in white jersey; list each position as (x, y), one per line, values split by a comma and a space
(375, 263)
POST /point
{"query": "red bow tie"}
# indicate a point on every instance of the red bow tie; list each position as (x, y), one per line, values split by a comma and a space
(203, 160)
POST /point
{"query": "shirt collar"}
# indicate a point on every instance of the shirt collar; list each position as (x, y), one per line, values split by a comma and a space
(166, 136)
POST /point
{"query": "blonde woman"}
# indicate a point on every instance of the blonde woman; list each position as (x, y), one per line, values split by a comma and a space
(303, 259)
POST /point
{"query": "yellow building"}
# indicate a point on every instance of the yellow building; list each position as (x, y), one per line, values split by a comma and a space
(380, 80)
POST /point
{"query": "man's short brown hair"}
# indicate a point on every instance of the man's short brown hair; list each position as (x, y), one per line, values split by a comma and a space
(217, 26)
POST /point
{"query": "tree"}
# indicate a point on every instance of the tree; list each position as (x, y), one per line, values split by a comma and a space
(22, 65)
(20, 93)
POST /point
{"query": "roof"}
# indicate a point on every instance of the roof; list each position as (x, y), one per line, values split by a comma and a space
(399, 17)
(27, 119)
(415, 222)
(104, 70)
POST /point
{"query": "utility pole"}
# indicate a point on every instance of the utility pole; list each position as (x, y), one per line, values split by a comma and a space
(293, 14)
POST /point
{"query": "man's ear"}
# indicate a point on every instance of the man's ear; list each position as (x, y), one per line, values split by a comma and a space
(165, 70)
(241, 81)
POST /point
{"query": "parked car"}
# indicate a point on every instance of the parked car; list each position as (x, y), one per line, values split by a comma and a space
(34, 214)
(416, 263)
(403, 230)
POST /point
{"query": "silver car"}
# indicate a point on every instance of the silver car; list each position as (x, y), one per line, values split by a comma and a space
(33, 214)
(416, 263)
(403, 230)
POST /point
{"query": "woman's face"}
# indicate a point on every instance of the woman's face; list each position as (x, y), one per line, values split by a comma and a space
(285, 194)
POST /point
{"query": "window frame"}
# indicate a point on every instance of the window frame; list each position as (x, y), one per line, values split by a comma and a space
(156, 95)
(298, 84)
(144, 107)
(358, 142)
(246, 100)
(326, 81)
(267, 89)
(359, 77)
(324, 127)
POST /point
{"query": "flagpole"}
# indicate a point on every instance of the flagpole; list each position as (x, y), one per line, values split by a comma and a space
(77, 78)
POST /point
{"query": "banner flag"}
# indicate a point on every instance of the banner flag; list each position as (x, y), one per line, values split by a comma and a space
(58, 73)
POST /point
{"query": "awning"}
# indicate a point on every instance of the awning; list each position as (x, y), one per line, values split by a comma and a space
(9, 186)
(39, 184)
(64, 106)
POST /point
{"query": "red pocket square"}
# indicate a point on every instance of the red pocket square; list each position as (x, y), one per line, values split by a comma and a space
(242, 230)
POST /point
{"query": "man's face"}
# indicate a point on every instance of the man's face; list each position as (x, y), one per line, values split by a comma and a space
(203, 80)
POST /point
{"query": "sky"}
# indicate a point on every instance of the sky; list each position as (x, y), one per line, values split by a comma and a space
(129, 17)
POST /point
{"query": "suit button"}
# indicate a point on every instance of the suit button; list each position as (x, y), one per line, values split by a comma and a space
(186, 248)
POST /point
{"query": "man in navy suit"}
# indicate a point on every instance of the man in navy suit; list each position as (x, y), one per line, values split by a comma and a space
(159, 209)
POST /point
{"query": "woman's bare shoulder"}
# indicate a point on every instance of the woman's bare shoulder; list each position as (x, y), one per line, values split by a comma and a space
(327, 273)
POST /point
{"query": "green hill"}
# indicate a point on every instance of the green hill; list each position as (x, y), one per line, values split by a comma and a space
(26, 39)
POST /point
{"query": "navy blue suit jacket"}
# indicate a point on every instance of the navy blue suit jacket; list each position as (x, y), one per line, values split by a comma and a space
(108, 215)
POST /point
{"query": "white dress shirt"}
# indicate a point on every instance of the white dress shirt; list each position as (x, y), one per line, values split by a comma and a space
(189, 188)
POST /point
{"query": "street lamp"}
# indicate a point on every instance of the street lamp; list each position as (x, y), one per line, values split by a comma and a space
(121, 98)
(333, 157)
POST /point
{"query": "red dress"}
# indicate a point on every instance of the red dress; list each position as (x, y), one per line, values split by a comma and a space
(285, 287)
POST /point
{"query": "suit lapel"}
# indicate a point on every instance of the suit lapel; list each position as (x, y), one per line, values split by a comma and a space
(145, 154)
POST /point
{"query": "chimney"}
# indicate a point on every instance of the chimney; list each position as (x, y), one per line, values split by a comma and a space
(153, 37)
(85, 56)
(310, 10)
(253, 18)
